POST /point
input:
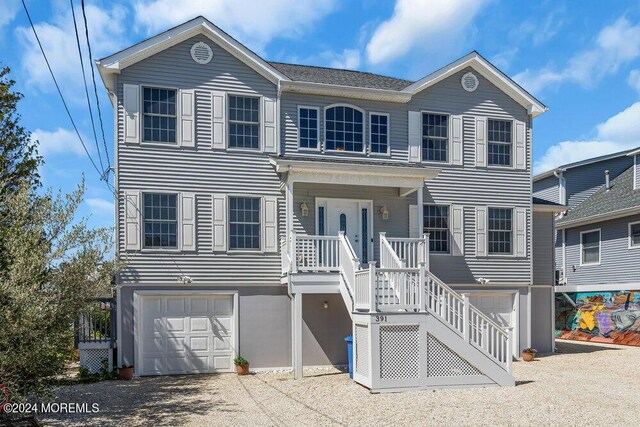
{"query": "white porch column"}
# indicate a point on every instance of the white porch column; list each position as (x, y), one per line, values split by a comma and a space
(289, 208)
(420, 202)
(296, 327)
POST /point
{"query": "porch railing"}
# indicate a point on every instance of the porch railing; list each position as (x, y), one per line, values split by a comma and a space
(412, 251)
(314, 253)
(97, 323)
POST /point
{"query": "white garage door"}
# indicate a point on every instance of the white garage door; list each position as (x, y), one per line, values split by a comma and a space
(500, 308)
(185, 334)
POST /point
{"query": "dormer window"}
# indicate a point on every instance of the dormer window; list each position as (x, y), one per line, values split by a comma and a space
(344, 129)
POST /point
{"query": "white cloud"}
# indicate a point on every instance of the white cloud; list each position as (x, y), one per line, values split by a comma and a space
(618, 133)
(9, 10)
(503, 59)
(634, 79)
(539, 31)
(100, 207)
(253, 22)
(59, 141)
(421, 24)
(349, 59)
(616, 45)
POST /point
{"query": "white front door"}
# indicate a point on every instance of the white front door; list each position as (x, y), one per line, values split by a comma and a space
(501, 308)
(354, 218)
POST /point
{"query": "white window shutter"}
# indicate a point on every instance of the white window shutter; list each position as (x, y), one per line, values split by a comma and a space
(219, 222)
(456, 140)
(415, 127)
(269, 140)
(187, 221)
(270, 223)
(131, 104)
(457, 230)
(481, 231)
(219, 114)
(132, 220)
(481, 141)
(187, 118)
(414, 221)
(521, 232)
(521, 145)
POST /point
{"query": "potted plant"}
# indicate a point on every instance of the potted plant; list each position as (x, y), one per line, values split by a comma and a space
(528, 354)
(126, 372)
(242, 365)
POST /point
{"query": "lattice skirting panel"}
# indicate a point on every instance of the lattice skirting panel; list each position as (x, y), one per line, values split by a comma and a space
(362, 350)
(443, 362)
(91, 358)
(399, 352)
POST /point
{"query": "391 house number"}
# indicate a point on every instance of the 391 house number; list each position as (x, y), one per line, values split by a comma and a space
(381, 319)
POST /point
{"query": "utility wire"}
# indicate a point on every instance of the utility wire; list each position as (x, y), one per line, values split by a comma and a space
(86, 88)
(55, 81)
(95, 87)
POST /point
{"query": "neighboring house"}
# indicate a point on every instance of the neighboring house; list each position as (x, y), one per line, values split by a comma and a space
(597, 246)
(254, 198)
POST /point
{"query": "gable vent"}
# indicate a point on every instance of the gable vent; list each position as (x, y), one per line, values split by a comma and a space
(469, 82)
(201, 53)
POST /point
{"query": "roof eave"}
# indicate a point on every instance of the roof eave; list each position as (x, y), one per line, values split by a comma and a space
(542, 207)
(347, 91)
(599, 218)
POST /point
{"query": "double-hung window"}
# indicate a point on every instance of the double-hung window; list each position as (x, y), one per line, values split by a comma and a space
(634, 235)
(159, 115)
(590, 247)
(435, 137)
(436, 223)
(344, 129)
(244, 122)
(379, 133)
(500, 231)
(499, 139)
(160, 220)
(308, 127)
(244, 223)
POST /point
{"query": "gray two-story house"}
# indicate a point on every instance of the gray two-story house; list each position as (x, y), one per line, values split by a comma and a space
(270, 210)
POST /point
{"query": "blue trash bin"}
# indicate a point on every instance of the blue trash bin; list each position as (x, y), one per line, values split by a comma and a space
(349, 340)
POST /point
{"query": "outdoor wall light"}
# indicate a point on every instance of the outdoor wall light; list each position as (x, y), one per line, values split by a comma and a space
(304, 208)
(482, 281)
(325, 304)
(184, 279)
(384, 212)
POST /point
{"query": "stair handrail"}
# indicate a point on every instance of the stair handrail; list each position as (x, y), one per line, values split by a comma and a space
(388, 257)
(349, 262)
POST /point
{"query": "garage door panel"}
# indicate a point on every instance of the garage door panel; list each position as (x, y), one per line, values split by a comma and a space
(175, 344)
(199, 324)
(152, 345)
(176, 324)
(222, 363)
(176, 305)
(199, 305)
(201, 363)
(221, 326)
(152, 365)
(178, 365)
(199, 343)
(499, 307)
(221, 343)
(222, 306)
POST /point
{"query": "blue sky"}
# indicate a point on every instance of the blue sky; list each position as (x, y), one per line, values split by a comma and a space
(581, 59)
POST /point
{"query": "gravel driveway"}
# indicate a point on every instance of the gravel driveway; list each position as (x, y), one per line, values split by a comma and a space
(583, 384)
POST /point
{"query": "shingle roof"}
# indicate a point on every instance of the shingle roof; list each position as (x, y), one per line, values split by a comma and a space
(621, 196)
(353, 161)
(313, 74)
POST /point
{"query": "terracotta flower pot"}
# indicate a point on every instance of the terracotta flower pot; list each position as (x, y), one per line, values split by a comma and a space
(242, 369)
(126, 373)
(528, 357)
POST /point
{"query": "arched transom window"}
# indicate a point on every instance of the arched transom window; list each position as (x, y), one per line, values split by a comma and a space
(344, 129)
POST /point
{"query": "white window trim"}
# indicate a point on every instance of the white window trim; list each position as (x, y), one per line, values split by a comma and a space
(178, 219)
(512, 166)
(260, 250)
(513, 233)
(631, 246)
(376, 113)
(448, 253)
(141, 124)
(449, 141)
(228, 127)
(319, 142)
(364, 127)
(582, 263)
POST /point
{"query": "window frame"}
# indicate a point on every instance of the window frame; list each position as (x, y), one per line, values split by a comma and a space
(364, 127)
(319, 141)
(449, 235)
(422, 137)
(228, 95)
(260, 248)
(388, 152)
(511, 254)
(599, 231)
(631, 245)
(513, 136)
(144, 248)
(142, 114)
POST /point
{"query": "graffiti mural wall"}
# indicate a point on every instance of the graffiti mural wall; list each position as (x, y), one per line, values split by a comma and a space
(604, 316)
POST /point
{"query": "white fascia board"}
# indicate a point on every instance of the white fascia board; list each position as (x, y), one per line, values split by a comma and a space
(549, 208)
(634, 152)
(599, 218)
(601, 287)
(345, 91)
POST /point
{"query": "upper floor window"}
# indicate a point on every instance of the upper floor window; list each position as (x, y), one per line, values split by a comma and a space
(308, 127)
(634, 235)
(344, 129)
(160, 220)
(499, 138)
(436, 223)
(379, 133)
(244, 122)
(435, 137)
(500, 230)
(244, 223)
(590, 247)
(159, 115)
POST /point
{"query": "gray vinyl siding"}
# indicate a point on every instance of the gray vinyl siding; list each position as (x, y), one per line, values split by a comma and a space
(200, 170)
(543, 248)
(636, 172)
(558, 244)
(618, 263)
(583, 181)
(547, 189)
(542, 324)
